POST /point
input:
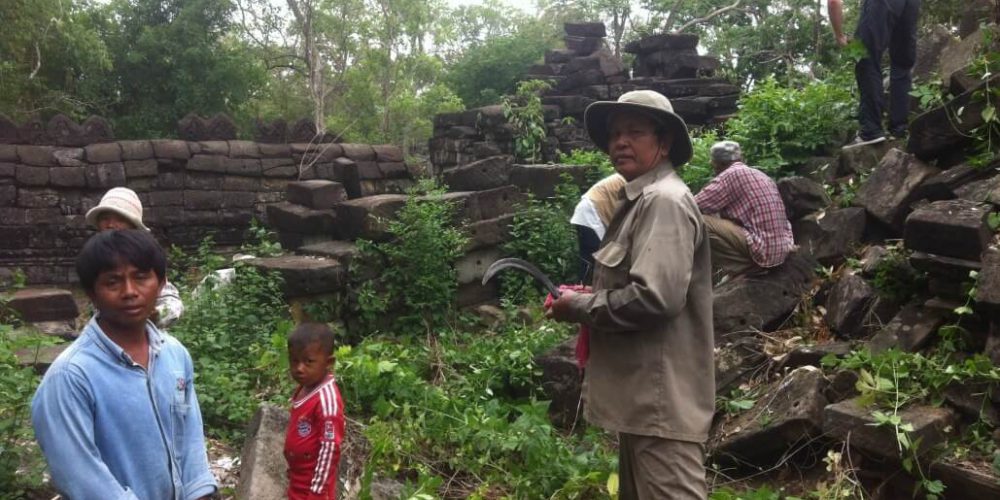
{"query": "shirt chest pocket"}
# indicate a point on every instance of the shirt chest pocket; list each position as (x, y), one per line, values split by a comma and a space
(612, 266)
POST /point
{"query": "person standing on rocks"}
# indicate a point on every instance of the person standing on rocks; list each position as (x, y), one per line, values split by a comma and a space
(883, 24)
(650, 373)
(749, 228)
(120, 208)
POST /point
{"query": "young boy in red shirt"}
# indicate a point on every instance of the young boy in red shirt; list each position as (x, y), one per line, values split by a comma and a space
(316, 427)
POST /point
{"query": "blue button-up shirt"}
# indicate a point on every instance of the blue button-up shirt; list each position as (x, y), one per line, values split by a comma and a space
(110, 429)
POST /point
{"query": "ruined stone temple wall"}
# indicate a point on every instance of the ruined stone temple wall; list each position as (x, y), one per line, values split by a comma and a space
(189, 189)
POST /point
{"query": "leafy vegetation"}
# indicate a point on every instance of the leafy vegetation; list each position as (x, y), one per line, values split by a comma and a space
(542, 235)
(415, 271)
(780, 126)
(524, 113)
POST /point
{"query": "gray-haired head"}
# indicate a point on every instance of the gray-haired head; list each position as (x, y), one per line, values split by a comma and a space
(726, 152)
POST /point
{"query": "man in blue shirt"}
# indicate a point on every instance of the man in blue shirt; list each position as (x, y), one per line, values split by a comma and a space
(116, 414)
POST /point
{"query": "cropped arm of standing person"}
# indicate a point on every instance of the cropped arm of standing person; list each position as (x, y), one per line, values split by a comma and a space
(836, 10)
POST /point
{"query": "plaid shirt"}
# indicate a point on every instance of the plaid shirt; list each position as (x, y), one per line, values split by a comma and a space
(750, 198)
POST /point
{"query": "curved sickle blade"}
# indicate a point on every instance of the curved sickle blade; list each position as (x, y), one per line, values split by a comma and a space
(521, 265)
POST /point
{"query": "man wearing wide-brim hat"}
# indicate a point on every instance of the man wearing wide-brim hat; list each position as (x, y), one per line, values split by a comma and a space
(650, 372)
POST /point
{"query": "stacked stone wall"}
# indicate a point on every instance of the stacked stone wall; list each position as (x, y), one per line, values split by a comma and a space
(189, 189)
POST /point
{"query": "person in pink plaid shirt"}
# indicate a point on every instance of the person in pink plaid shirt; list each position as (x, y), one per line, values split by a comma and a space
(748, 228)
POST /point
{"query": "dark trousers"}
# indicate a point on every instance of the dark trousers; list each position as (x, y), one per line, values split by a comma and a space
(588, 243)
(892, 25)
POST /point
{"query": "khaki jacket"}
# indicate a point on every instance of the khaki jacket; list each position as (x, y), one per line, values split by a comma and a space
(651, 370)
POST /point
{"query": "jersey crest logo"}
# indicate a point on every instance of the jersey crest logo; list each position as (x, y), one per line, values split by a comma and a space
(328, 433)
(304, 427)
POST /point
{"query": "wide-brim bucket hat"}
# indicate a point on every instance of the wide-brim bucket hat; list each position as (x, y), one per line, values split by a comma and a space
(122, 201)
(647, 102)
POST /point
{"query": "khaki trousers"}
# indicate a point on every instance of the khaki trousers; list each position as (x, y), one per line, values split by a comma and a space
(653, 468)
(730, 252)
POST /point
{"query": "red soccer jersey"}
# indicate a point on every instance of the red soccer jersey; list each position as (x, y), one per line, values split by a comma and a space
(312, 443)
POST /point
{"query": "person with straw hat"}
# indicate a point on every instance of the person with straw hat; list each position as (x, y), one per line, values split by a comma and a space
(649, 375)
(120, 208)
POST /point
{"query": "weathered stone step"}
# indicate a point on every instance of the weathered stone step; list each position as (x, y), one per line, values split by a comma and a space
(831, 235)
(293, 218)
(40, 359)
(44, 304)
(889, 190)
(304, 275)
(952, 228)
(850, 422)
(342, 251)
(316, 194)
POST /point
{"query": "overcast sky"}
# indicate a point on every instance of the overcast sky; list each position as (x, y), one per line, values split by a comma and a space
(525, 5)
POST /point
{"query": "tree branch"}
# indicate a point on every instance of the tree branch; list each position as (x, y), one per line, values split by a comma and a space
(710, 15)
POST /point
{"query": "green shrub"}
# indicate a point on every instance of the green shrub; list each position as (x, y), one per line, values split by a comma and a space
(599, 162)
(236, 336)
(779, 126)
(445, 416)
(524, 113)
(542, 234)
(895, 279)
(416, 279)
(698, 171)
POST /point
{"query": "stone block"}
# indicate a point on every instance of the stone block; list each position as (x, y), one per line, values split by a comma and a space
(802, 196)
(888, 191)
(248, 167)
(345, 171)
(359, 152)
(472, 266)
(761, 303)
(342, 251)
(238, 199)
(365, 217)
(952, 228)
(471, 294)
(988, 288)
(910, 330)
(37, 198)
(316, 194)
(465, 203)
(201, 200)
(393, 170)
(947, 268)
(105, 175)
(68, 176)
(141, 168)
(848, 304)
(559, 56)
(171, 149)
(69, 157)
(207, 163)
(28, 175)
(136, 150)
(499, 201)
(275, 150)
(849, 421)
(220, 148)
(541, 180)
(788, 415)
(663, 41)
(39, 156)
(831, 235)
(583, 45)
(8, 169)
(963, 481)
(368, 170)
(856, 160)
(8, 195)
(166, 199)
(198, 181)
(304, 275)
(279, 167)
(262, 468)
(169, 180)
(489, 233)
(812, 355)
(39, 359)
(243, 149)
(937, 132)
(107, 152)
(44, 304)
(736, 361)
(488, 173)
(985, 190)
(946, 185)
(293, 218)
(237, 183)
(561, 383)
(388, 153)
(8, 153)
